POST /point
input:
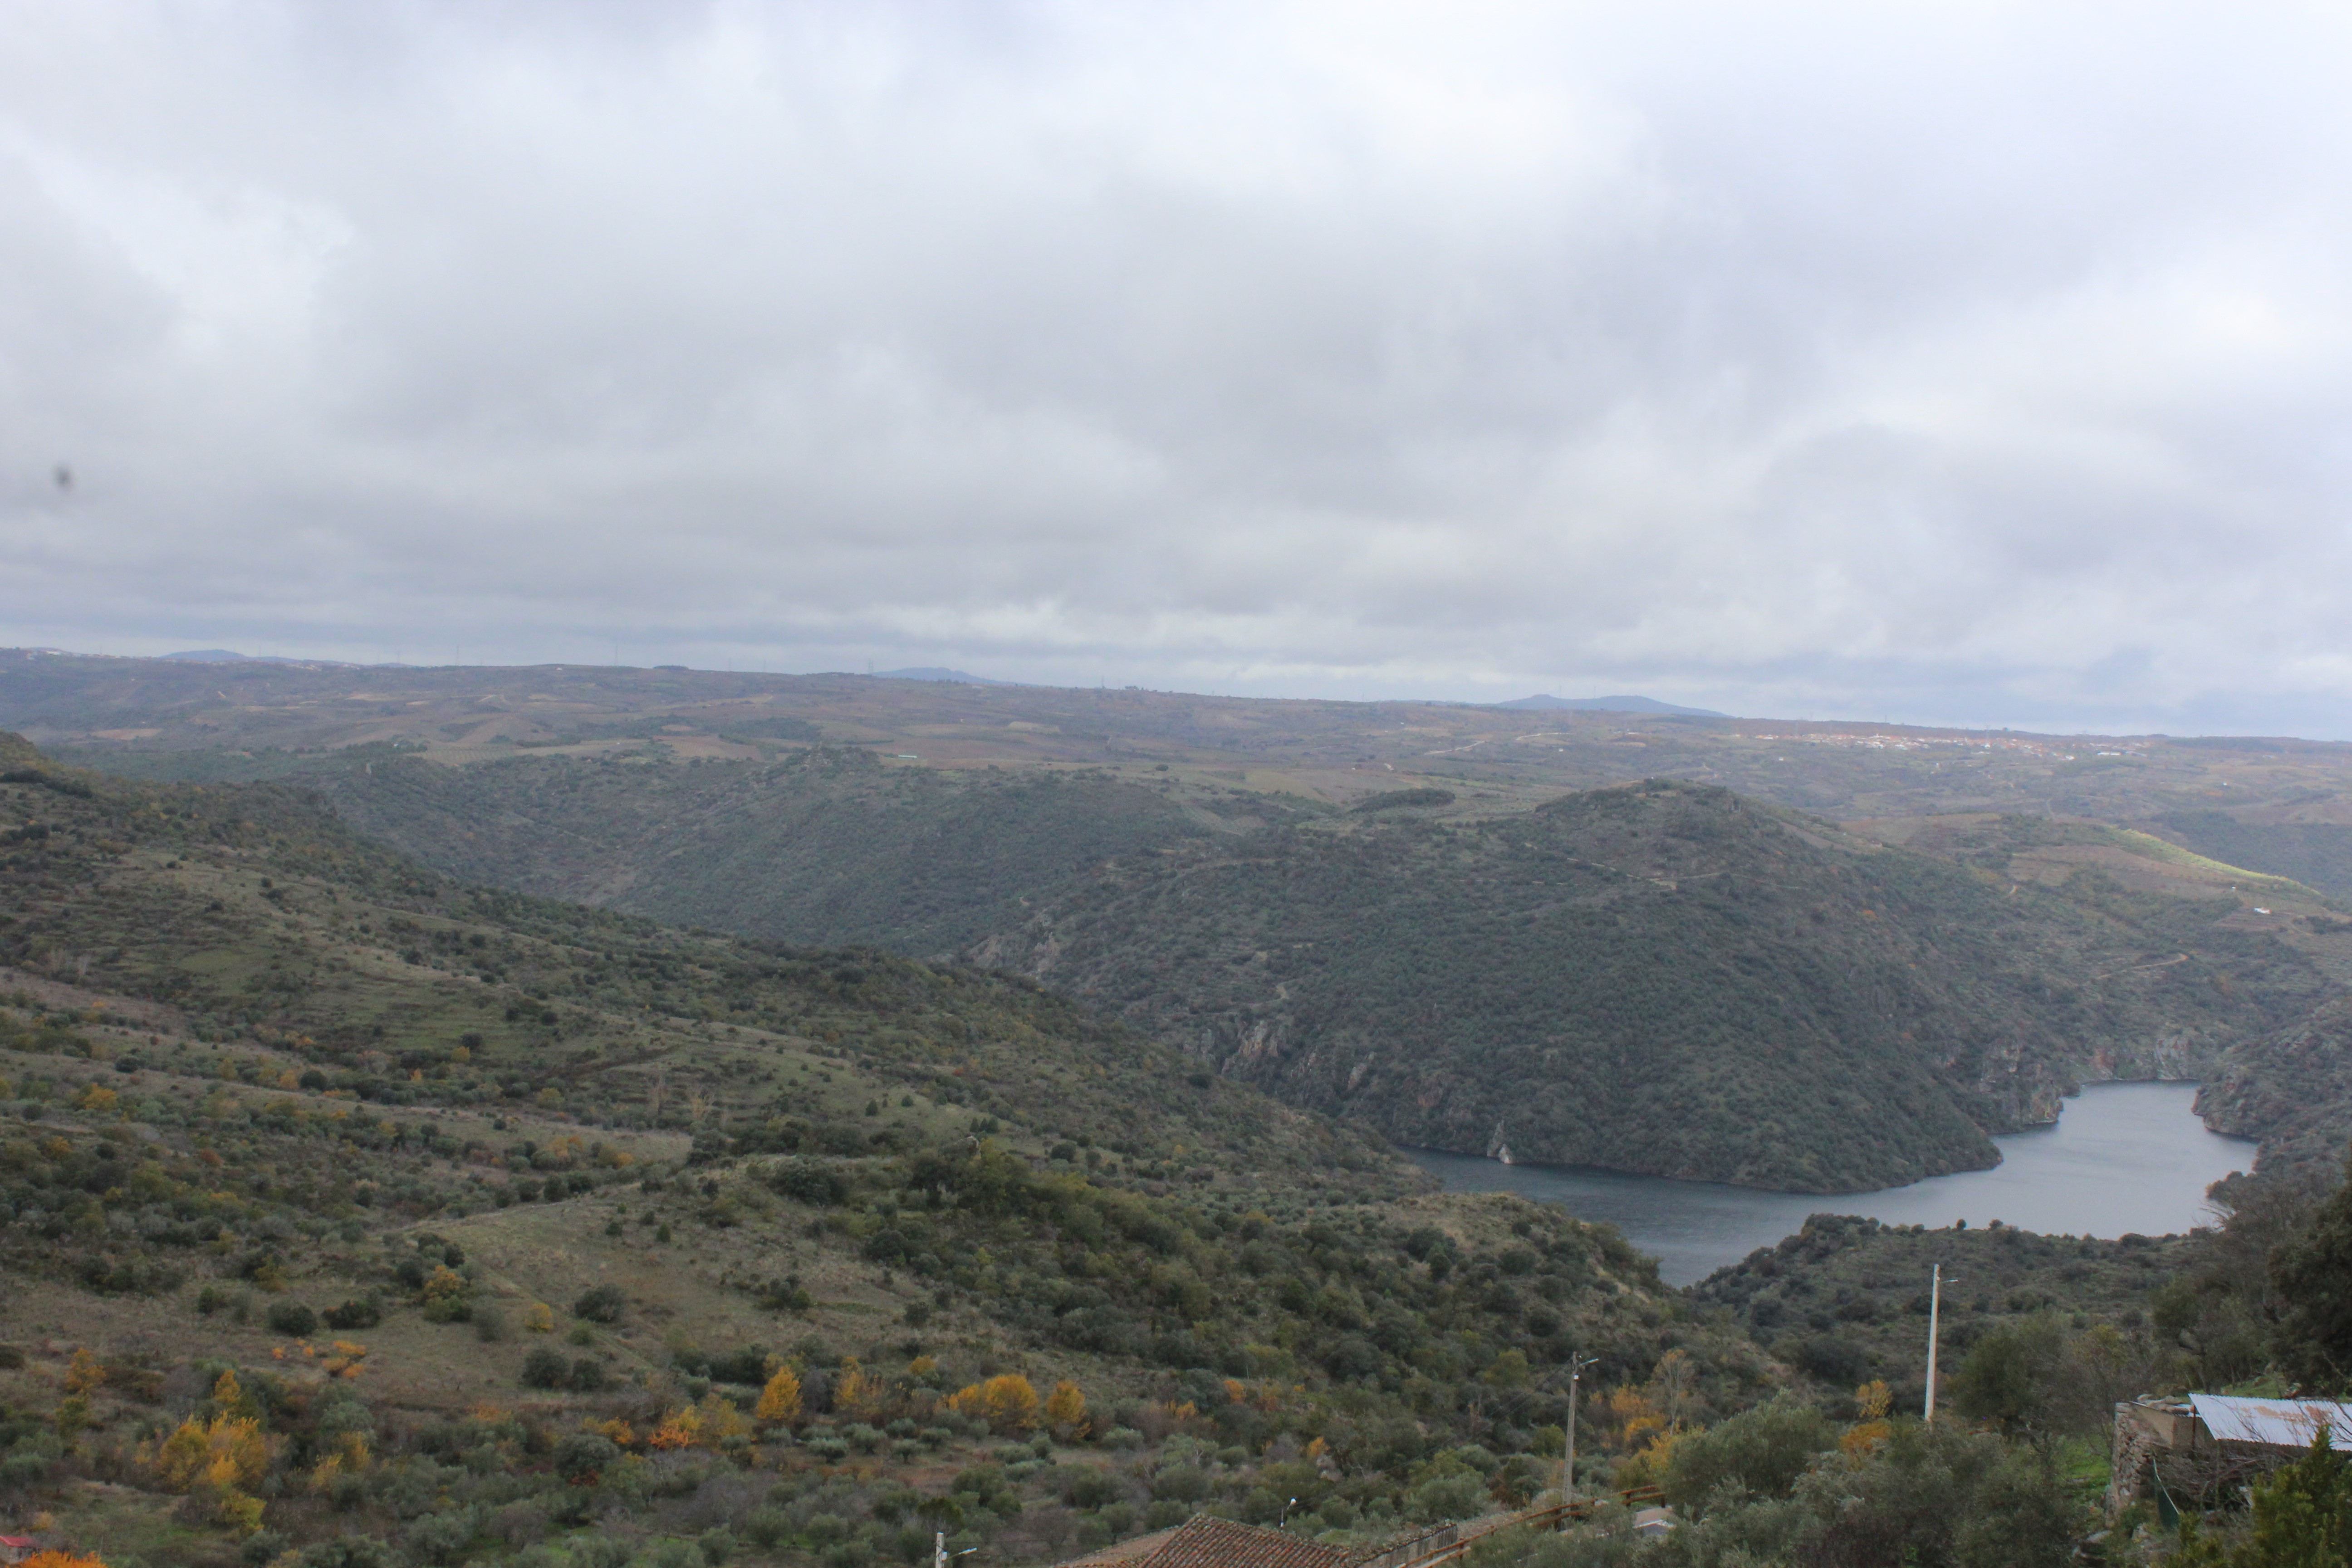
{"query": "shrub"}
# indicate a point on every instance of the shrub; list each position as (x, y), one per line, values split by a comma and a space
(294, 1318)
(1454, 1494)
(441, 1538)
(1089, 1488)
(1764, 1450)
(581, 1457)
(544, 1368)
(354, 1314)
(603, 1304)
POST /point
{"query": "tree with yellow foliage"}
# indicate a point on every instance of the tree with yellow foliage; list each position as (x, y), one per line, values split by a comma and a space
(229, 1396)
(1066, 1409)
(720, 1420)
(859, 1394)
(1871, 1401)
(228, 1452)
(779, 1402)
(540, 1319)
(1629, 1417)
(87, 1372)
(222, 1456)
(705, 1426)
(681, 1428)
(349, 1458)
(1007, 1403)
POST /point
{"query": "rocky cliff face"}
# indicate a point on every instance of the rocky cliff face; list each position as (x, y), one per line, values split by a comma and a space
(2292, 1088)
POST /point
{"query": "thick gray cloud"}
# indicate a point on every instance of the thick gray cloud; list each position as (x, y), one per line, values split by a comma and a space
(1971, 363)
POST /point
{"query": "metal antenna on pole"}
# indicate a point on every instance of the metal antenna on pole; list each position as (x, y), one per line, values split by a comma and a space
(1576, 1365)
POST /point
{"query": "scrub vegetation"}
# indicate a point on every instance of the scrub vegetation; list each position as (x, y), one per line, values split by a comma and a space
(351, 1216)
(1663, 977)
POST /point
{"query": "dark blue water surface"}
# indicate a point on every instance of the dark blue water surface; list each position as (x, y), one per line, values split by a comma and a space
(2124, 1157)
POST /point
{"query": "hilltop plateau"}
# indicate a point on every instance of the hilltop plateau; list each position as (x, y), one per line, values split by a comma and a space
(2277, 806)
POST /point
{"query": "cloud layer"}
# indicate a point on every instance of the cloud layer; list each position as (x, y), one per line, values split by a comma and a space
(1981, 363)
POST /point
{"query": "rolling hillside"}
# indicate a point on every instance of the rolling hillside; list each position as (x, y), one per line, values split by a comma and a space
(1685, 1032)
(1665, 979)
(827, 845)
(352, 1215)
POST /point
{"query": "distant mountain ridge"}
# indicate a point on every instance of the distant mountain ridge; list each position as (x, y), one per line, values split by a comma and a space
(933, 672)
(229, 656)
(1547, 702)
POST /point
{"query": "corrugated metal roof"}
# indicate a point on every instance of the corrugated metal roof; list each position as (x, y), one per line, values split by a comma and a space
(2277, 1423)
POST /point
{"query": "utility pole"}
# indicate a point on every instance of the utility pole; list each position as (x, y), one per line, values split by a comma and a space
(1576, 1365)
(1934, 1317)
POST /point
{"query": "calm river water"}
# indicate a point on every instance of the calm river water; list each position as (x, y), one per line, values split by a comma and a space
(2124, 1157)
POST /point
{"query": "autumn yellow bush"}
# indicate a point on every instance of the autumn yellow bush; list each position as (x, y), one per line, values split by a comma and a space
(1066, 1409)
(1871, 1401)
(86, 1372)
(705, 1426)
(779, 1402)
(228, 1451)
(859, 1394)
(1007, 1402)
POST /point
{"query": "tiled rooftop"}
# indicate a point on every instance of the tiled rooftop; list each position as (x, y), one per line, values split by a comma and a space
(1203, 1541)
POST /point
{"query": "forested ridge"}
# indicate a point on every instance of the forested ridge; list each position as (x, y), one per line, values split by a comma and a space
(1668, 978)
(1664, 978)
(825, 845)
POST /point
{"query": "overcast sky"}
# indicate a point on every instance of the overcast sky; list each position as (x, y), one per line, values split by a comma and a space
(1981, 363)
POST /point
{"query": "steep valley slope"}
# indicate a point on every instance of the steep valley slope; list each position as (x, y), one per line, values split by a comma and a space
(1666, 978)
(1076, 835)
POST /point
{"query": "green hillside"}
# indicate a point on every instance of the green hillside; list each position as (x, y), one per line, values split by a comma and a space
(252, 911)
(1664, 978)
(1845, 1298)
(1667, 979)
(827, 844)
(2317, 853)
(500, 1215)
